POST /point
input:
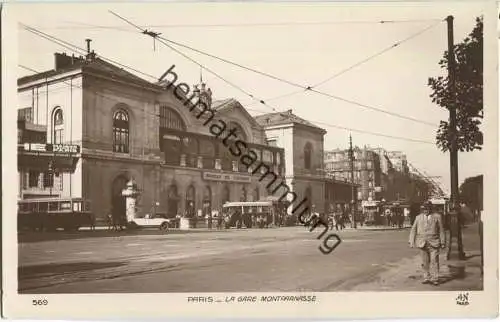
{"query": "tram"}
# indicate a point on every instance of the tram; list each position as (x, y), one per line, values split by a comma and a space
(249, 214)
(371, 212)
(49, 214)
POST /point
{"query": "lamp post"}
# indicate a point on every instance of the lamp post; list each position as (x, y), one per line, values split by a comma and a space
(351, 161)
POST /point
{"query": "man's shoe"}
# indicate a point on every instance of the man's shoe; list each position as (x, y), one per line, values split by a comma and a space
(435, 283)
(426, 282)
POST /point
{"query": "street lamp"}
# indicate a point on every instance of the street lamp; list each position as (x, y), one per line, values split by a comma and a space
(353, 213)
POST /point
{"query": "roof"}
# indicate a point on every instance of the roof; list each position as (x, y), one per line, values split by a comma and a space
(229, 103)
(96, 65)
(247, 203)
(114, 71)
(221, 104)
(282, 118)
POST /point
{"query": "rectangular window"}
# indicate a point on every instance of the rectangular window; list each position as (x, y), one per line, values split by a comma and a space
(48, 180)
(267, 156)
(25, 114)
(58, 136)
(33, 178)
(61, 181)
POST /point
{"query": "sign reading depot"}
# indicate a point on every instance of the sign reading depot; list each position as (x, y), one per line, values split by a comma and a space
(213, 176)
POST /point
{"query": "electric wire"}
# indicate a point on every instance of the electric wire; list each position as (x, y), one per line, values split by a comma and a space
(307, 88)
(48, 37)
(232, 25)
(80, 50)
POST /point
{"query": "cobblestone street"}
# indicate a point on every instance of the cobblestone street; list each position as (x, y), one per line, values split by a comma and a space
(280, 259)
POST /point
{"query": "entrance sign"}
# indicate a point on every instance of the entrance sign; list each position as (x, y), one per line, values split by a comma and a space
(213, 176)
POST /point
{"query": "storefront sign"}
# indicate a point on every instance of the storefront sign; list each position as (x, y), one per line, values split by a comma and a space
(35, 147)
(56, 148)
(63, 148)
(226, 177)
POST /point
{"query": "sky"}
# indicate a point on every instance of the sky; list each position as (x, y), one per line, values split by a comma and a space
(300, 43)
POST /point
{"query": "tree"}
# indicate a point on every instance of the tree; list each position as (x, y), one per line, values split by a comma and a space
(469, 93)
(471, 192)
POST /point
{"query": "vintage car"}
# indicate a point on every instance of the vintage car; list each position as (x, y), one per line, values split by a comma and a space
(153, 221)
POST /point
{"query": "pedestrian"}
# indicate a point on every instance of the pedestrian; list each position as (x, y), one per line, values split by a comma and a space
(388, 216)
(314, 217)
(427, 234)
(339, 219)
(92, 221)
(331, 217)
(109, 221)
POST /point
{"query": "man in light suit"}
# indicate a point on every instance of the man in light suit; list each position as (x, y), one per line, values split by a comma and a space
(427, 233)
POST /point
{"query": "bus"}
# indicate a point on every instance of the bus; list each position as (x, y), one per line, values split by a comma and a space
(249, 214)
(49, 214)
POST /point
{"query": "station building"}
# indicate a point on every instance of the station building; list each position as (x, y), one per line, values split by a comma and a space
(128, 128)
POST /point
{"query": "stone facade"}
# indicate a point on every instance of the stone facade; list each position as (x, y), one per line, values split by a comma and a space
(128, 128)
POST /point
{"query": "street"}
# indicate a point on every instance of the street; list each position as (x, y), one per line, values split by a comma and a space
(276, 259)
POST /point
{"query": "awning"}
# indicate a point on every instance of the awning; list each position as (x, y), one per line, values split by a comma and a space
(40, 161)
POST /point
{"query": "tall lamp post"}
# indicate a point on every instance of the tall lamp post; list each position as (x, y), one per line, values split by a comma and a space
(351, 159)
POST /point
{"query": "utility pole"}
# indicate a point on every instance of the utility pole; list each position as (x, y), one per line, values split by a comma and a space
(353, 201)
(453, 146)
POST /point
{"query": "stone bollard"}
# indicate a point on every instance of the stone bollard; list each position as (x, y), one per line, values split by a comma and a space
(131, 193)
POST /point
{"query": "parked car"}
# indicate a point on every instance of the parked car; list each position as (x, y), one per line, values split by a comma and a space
(153, 221)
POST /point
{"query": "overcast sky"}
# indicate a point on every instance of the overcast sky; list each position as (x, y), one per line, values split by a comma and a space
(301, 43)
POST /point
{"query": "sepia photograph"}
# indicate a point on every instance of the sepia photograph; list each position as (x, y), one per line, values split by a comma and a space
(251, 155)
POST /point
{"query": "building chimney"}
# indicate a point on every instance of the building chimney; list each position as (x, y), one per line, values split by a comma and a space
(88, 45)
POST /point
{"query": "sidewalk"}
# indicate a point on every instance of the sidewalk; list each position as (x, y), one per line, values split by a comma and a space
(455, 275)
(376, 228)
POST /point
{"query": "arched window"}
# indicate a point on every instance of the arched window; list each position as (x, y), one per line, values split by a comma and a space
(190, 202)
(170, 119)
(307, 156)
(57, 126)
(121, 132)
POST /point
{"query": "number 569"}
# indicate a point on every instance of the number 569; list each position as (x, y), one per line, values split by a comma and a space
(40, 302)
